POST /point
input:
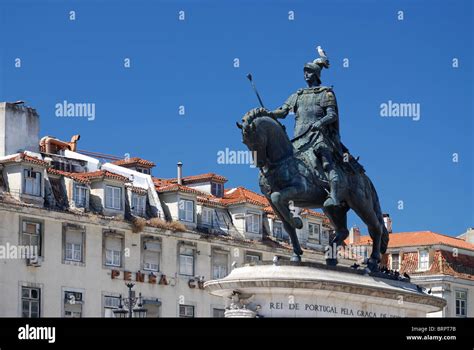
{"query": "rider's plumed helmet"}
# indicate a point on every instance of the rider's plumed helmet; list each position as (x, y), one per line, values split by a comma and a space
(318, 64)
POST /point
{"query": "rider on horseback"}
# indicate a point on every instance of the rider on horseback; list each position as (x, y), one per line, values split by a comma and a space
(316, 124)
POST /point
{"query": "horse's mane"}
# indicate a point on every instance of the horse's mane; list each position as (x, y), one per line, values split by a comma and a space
(273, 121)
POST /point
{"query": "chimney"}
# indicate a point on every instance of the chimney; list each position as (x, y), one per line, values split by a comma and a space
(180, 173)
(388, 222)
(469, 236)
(19, 128)
(354, 235)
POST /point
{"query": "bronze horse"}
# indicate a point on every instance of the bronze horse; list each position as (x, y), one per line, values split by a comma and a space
(285, 176)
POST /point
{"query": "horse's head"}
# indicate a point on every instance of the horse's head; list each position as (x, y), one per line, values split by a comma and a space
(265, 137)
(254, 138)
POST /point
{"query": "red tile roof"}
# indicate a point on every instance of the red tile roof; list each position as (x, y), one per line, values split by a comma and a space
(137, 190)
(178, 188)
(442, 262)
(210, 200)
(134, 161)
(420, 238)
(22, 157)
(100, 175)
(313, 213)
(73, 176)
(242, 195)
(208, 177)
(235, 196)
(160, 182)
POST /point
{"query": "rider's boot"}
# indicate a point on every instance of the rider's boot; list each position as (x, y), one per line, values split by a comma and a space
(334, 196)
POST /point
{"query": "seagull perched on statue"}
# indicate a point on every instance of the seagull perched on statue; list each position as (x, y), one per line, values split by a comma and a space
(321, 52)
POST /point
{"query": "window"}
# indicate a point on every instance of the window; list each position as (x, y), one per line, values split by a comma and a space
(252, 258)
(218, 313)
(217, 189)
(32, 182)
(80, 196)
(72, 304)
(278, 229)
(362, 251)
(151, 255)
(73, 245)
(30, 302)
(31, 235)
(314, 230)
(110, 304)
(207, 216)
(113, 197)
(186, 261)
(113, 251)
(461, 303)
(138, 204)
(324, 236)
(252, 223)
(220, 263)
(143, 171)
(423, 260)
(152, 307)
(186, 311)
(395, 262)
(186, 210)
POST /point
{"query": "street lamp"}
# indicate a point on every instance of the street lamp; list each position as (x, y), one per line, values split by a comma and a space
(127, 305)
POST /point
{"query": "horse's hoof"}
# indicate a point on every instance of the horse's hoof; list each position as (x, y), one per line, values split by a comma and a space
(331, 262)
(373, 265)
(297, 223)
(295, 258)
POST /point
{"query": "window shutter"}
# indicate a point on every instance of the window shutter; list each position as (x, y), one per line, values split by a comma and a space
(74, 193)
(108, 196)
(113, 243)
(186, 250)
(221, 259)
(74, 237)
(153, 246)
(117, 198)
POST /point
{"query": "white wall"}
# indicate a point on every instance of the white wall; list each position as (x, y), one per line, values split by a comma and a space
(54, 276)
(19, 129)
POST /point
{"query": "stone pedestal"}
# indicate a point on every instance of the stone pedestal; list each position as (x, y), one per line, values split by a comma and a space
(317, 290)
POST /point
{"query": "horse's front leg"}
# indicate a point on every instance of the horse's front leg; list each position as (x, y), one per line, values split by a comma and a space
(297, 251)
(281, 200)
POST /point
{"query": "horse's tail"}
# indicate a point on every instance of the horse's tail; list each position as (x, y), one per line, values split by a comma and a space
(378, 211)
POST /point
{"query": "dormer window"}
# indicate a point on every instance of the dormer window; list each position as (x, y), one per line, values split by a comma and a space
(314, 231)
(207, 216)
(395, 262)
(186, 210)
(424, 259)
(252, 223)
(138, 204)
(217, 189)
(80, 195)
(278, 230)
(143, 170)
(113, 197)
(32, 182)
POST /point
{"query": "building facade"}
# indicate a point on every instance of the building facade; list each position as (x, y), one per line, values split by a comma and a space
(442, 265)
(75, 229)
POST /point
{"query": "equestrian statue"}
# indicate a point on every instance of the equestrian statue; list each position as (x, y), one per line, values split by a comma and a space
(314, 169)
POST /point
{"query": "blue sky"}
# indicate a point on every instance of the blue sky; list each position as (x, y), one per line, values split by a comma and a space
(190, 63)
